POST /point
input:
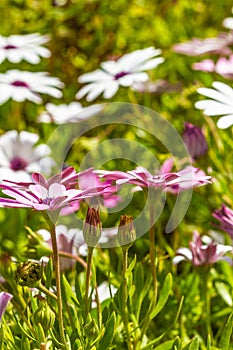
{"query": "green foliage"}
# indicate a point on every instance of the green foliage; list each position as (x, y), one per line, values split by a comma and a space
(83, 34)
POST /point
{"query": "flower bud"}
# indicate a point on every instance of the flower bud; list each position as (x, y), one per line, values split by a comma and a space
(92, 227)
(44, 315)
(28, 273)
(126, 231)
(195, 141)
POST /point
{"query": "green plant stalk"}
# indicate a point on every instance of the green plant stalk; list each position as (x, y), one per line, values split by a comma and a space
(125, 296)
(97, 299)
(88, 275)
(56, 263)
(46, 291)
(153, 273)
(205, 281)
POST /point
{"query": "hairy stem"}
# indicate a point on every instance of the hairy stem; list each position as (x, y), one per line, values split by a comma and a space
(125, 297)
(88, 275)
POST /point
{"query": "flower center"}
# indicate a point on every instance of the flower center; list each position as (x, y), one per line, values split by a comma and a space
(18, 163)
(20, 83)
(9, 47)
(120, 75)
(47, 200)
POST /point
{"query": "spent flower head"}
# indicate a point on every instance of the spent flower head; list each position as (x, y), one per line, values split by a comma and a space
(28, 273)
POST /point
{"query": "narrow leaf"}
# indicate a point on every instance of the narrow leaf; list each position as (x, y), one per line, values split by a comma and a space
(164, 295)
(194, 345)
(224, 342)
(108, 334)
(165, 346)
(131, 267)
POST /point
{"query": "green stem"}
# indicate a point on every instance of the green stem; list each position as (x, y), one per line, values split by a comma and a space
(207, 304)
(152, 254)
(88, 275)
(56, 262)
(125, 297)
(153, 272)
(46, 291)
(97, 299)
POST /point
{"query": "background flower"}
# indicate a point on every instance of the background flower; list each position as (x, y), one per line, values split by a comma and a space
(225, 217)
(221, 103)
(16, 48)
(202, 251)
(195, 140)
(4, 300)
(24, 85)
(124, 72)
(67, 113)
(19, 157)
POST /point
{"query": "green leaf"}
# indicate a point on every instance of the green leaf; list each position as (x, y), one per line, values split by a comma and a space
(131, 267)
(67, 292)
(164, 295)
(194, 345)
(224, 342)
(78, 291)
(1, 337)
(48, 274)
(209, 342)
(224, 292)
(153, 342)
(108, 334)
(139, 277)
(165, 346)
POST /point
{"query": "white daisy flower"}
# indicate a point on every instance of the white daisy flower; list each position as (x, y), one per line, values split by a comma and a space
(24, 85)
(67, 113)
(16, 48)
(19, 157)
(124, 72)
(221, 103)
(228, 23)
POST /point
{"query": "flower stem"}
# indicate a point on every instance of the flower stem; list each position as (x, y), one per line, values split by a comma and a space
(46, 291)
(125, 297)
(88, 275)
(71, 256)
(153, 260)
(152, 254)
(207, 304)
(56, 263)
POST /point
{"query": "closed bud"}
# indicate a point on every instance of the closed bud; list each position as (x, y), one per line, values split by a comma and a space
(92, 227)
(28, 274)
(195, 141)
(126, 231)
(44, 315)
